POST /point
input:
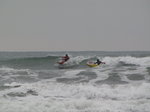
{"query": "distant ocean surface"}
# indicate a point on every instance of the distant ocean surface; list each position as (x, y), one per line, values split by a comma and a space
(34, 82)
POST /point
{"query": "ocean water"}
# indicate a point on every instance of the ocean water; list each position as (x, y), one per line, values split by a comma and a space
(34, 82)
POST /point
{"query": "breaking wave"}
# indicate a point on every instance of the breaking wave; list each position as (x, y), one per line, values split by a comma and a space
(50, 62)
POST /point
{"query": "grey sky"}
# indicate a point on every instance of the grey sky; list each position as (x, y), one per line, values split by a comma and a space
(62, 25)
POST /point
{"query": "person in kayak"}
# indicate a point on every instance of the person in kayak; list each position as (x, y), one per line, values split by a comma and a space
(98, 62)
(65, 58)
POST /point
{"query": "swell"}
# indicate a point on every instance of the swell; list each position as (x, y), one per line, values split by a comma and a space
(50, 62)
(31, 62)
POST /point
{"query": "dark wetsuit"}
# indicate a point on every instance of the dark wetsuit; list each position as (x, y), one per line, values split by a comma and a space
(65, 58)
(98, 62)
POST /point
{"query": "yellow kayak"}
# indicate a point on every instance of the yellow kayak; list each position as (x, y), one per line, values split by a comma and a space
(92, 64)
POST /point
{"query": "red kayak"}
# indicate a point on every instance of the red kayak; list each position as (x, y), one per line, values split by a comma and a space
(61, 62)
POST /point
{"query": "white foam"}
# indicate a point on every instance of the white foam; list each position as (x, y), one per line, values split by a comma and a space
(101, 74)
(14, 72)
(12, 84)
(44, 105)
(55, 97)
(73, 72)
(143, 61)
(139, 70)
(7, 69)
(10, 71)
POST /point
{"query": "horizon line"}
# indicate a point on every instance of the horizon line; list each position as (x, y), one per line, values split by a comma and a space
(79, 51)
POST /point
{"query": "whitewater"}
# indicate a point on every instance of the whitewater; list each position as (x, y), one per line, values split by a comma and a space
(34, 82)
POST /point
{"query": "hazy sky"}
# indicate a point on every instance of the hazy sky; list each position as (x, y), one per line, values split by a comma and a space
(76, 25)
